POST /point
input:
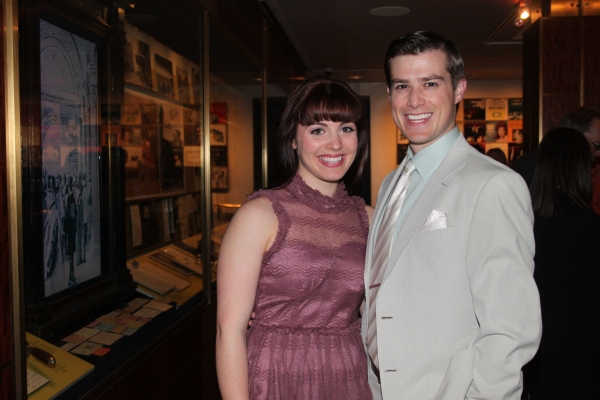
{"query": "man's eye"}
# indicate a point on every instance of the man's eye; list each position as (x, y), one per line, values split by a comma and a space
(401, 86)
(430, 84)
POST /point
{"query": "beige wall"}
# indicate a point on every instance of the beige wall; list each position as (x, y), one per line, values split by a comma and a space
(239, 140)
(383, 130)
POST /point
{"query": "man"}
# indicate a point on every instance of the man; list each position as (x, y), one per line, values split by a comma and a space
(587, 120)
(455, 307)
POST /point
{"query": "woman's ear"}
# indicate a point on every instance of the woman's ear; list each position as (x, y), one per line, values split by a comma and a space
(294, 145)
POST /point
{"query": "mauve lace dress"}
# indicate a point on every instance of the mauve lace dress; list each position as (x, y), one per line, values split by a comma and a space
(305, 341)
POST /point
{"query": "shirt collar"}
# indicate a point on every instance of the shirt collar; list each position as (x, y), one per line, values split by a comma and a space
(429, 159)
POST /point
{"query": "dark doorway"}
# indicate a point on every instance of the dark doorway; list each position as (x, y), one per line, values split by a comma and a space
(275, 107)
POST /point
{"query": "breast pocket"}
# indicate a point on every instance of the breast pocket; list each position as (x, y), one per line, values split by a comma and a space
(434, 236)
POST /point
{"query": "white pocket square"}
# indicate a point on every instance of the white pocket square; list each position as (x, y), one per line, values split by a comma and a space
(436, 220)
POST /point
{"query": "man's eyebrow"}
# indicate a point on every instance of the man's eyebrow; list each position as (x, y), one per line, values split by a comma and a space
(432, 78)
(423, 79)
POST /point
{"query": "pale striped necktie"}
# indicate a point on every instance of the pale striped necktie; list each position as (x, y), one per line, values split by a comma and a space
(383, 248)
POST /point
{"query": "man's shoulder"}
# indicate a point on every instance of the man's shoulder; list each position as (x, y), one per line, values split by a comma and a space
(481, 168)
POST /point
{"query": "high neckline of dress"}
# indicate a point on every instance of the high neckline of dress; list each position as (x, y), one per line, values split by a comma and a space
(300, 189)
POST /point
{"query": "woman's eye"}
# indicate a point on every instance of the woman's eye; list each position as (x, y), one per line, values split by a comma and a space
(347, 129)
(317, 131)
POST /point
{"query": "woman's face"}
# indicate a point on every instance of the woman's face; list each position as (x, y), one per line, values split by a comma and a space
(501, 131)
(326, 150)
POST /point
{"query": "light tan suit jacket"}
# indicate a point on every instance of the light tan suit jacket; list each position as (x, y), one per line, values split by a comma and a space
(458, 310)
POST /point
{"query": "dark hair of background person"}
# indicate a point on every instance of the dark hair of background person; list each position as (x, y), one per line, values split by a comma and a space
(314, 100)
(562, 172)
(422, 42)
(498, 155)
(580, 119)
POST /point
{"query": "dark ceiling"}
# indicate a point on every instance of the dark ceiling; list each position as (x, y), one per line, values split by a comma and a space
(341, 35)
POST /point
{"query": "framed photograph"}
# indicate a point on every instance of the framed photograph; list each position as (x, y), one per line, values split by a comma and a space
(197, 85)
(400, 138)
(183, 85)
(137, 62)
(402, 149)
(163, 69)
(219, 179)
(218, 134)
(218, 113)
(70, 155)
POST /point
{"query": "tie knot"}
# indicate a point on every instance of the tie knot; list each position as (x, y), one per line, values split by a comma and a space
(409, 167)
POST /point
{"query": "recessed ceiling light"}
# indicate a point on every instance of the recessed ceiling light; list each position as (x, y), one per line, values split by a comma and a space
(391, 11)
(355, 77)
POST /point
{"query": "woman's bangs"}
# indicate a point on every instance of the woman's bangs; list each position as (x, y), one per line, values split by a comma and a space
(335, 107)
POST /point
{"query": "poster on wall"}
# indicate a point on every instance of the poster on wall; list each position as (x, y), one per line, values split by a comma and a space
(183, 85)
(163, 69)
(474, 109)
(515, 109)
(496, 109)
(218, 150)
(137, 63)
(70, 158)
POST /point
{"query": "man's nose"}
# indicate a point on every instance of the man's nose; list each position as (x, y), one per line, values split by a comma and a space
(415, 99)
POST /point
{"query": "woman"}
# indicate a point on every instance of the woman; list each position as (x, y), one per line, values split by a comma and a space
(295, 255)
(501, 132)
(567, 271)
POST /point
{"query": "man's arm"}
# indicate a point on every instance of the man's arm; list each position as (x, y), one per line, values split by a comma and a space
(505, 297)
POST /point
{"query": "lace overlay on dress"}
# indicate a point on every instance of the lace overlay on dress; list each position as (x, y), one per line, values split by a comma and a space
(305, 342)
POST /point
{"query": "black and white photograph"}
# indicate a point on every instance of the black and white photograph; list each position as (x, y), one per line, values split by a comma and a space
(197, 85)
(183, 85)
(137, 66)
(163, 69)
(218, 134)
(70, 159)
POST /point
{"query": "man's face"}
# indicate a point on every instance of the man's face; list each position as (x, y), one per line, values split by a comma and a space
(593, 136)
(422, 99)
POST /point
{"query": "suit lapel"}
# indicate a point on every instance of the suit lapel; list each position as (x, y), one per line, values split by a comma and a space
(445, 175)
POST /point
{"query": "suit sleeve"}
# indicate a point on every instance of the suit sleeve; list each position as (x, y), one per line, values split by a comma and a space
(505, 297)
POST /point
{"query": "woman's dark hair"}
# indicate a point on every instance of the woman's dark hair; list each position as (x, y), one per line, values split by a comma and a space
(498, 155)
(562, 172)
(314, 100)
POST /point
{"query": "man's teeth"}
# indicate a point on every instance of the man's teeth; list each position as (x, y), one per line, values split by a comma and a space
(419, 117)
(331, 160)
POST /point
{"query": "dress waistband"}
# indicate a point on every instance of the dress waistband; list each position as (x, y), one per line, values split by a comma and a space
(353, 328)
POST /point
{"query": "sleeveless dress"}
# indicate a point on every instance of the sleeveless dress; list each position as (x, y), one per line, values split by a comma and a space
(305, 341)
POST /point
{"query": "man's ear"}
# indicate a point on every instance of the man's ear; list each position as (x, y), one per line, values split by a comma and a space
(388, 91)
(461, 87)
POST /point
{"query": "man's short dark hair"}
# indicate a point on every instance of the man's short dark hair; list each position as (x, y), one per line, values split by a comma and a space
(421, 42)
(580, 119)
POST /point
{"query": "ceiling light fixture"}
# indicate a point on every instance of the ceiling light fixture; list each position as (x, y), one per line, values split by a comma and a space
(391, 11)
(523, 12)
